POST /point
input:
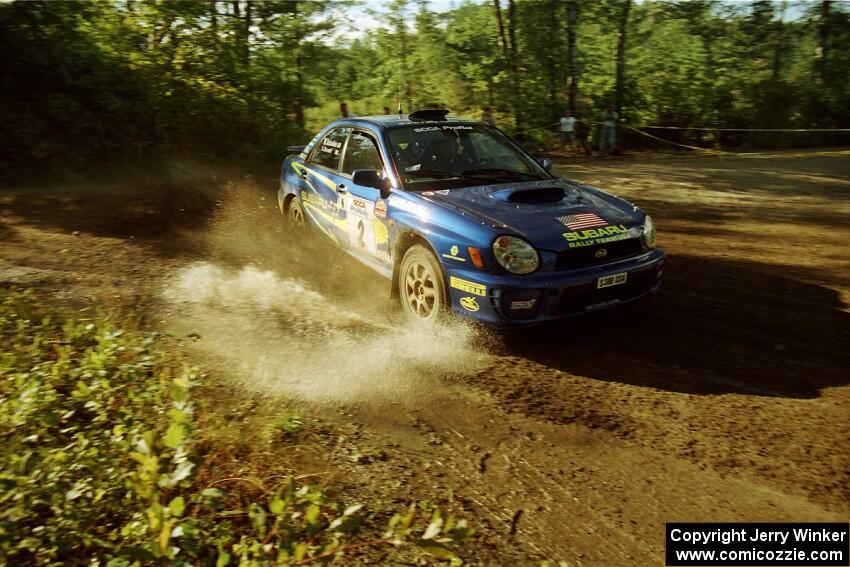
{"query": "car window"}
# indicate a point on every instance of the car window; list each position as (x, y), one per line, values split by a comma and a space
(361, 153)
(329, 151)
(497, 152)
(458, 153)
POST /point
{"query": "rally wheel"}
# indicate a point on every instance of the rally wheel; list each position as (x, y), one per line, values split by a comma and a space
(421, 285)
(295, 214)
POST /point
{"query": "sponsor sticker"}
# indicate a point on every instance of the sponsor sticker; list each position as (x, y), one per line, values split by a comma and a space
(381, 209)
(593, 236)
(438, 128)
(453, 254)
(468, 286)
(313, 199)
(358, 207)
(330, 147)
(417, 209)
(381, 234)
(469, 303)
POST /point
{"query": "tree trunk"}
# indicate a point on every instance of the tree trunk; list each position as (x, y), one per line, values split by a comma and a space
(621, 58)
(246, 36)
(512, 68)
(214, 22)
(822, 50)
(408, 96)
(512, 26)
(507, 40)
(819, 65)
(297, 36)
(572, 79)
(779, 44)
(503, 42)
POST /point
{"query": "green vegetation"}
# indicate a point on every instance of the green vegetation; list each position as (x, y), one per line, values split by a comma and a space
(101, 463)
(90, 84)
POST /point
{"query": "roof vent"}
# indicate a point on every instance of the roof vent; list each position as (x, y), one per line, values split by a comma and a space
(429, 114)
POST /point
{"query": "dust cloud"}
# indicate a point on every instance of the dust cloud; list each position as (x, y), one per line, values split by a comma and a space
(298, 318)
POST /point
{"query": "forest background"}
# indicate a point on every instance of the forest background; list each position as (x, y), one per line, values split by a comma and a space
(96, 84)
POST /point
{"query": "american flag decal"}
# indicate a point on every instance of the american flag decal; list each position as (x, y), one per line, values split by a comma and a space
(581, 221)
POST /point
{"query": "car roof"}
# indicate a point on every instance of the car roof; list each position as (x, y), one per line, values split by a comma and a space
(384, 121)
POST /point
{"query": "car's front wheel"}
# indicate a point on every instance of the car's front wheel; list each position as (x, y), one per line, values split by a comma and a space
(421, 285)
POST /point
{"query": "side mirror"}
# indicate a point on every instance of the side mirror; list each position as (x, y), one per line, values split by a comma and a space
(372, 178)
(546, 163)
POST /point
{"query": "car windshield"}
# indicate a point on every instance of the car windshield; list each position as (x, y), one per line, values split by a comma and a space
(458, 154)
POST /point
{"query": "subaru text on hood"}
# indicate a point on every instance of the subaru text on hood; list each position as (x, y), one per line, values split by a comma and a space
(460, 218)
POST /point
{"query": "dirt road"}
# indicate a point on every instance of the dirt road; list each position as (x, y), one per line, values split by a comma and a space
(725, 399)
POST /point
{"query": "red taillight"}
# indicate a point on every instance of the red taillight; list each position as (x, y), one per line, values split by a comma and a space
(475, 254)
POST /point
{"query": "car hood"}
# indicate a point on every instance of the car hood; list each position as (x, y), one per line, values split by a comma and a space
(534, 209)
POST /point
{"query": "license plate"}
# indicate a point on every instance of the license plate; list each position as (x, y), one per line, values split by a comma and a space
(613, 279)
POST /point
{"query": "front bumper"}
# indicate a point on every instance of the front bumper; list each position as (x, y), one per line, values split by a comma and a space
(509, 301)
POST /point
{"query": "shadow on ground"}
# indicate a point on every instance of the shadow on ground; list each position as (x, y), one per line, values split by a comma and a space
(716, 327)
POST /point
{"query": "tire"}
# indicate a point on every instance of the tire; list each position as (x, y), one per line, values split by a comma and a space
(295, 214)
(422, 287)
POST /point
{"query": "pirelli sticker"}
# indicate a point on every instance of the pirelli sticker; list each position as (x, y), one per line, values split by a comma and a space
(468, 286)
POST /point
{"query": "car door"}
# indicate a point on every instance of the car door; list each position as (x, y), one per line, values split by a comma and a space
(365, 211)
(321, 194)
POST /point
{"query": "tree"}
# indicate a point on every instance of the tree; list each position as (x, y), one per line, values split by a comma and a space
(572, 10)
(507, 40)
(130, 81)
(621, 55)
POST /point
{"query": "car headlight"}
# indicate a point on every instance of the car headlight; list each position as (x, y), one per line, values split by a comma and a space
(515, 254)
(649, 231)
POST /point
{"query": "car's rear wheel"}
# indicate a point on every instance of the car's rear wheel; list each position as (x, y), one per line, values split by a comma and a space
(295, 213)
(421, 285)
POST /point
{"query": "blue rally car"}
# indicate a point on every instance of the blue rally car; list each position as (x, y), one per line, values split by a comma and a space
(460, 218)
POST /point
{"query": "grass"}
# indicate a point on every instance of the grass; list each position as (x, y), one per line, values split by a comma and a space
(113, 451)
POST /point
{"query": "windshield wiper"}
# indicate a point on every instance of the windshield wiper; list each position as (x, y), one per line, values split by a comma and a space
(434, 173)
(498, 172)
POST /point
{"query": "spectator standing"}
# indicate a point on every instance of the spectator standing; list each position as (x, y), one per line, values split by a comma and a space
(608, 130)
(567, 130)
(580, 133)
(344, 112)
(298, 112)
(487, 117)
(386, 110)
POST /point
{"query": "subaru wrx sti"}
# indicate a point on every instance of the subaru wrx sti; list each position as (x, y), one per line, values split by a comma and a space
(462, 219)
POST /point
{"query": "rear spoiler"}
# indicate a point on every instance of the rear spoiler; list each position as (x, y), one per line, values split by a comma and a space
(295, 149)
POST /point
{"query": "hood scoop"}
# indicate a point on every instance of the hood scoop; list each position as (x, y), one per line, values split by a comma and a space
(534, 196)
